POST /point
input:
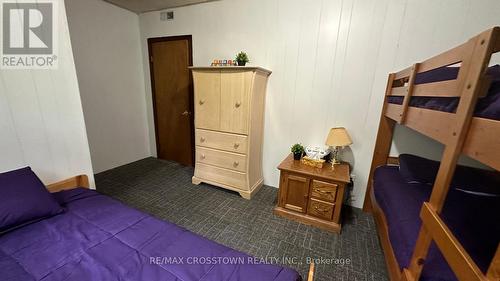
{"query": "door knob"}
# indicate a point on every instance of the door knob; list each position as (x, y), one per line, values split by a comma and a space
(202, 102)
(186, 113)
(237, 104)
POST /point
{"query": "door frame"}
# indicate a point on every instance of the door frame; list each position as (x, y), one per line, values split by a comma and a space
(151, 41)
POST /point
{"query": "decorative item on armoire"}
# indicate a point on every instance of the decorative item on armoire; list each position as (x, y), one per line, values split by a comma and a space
(297, 150)
(242, 58)
(229, 126)
(337, 138)
(223, 63)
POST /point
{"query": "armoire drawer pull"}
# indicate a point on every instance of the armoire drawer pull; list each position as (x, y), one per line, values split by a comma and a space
(236, 163)
(202, 139)
(237, 104)
(202, 102)
(236, 145)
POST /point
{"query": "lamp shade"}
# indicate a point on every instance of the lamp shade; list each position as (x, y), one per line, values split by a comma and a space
(338, 137)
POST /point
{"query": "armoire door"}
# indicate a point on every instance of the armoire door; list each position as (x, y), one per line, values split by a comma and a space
(172, 88)
(207, 100)
(235, 101)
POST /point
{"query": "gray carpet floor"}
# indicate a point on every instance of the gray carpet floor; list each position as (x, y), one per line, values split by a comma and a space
(164, 190)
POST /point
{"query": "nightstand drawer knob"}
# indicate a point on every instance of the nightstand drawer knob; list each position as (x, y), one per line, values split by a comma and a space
(236, 163)
(236, 145)
(202, 156)
(202, 102)
(320, 209)
(323, 191)
(202, 139)
(237, 104)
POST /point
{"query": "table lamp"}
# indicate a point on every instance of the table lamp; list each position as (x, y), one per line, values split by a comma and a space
(338, 137)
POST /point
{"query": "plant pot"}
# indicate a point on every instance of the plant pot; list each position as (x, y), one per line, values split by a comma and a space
(241, 63)
(297, 156)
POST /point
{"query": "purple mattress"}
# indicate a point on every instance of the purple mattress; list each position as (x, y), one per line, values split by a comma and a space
(99, 238)
(472, 218)
(487, 107)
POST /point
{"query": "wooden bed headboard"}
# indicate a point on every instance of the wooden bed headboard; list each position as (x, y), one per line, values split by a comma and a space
(78, 181)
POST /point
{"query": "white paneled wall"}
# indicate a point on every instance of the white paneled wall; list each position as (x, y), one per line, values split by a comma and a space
(108, 62)
(330, 61)
(41, 119)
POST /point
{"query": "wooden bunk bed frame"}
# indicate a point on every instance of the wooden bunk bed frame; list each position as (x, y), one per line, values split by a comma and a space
(460, 132)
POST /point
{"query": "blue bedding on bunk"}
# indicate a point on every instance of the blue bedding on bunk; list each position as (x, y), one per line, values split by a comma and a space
(472, 218)
(487, 107)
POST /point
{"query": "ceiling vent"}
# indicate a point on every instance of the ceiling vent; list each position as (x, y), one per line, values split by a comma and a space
(168, 15)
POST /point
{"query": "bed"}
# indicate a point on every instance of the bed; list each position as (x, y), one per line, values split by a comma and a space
(454, 99)
(99, 238)
(401, 202)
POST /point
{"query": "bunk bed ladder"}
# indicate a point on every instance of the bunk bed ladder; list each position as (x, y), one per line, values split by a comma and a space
(479, 50)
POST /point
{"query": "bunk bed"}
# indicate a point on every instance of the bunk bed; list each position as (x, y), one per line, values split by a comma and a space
(453, 98)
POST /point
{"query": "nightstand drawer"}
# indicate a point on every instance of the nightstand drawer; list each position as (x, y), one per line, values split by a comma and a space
(324, 191)
(320, 209)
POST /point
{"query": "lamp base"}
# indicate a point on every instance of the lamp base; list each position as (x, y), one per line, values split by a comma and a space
(335, 157)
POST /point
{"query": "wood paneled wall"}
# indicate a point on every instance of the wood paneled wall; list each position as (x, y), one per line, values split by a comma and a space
(41, 119)
(330, 60)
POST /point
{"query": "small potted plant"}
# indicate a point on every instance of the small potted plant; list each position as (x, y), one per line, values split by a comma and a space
(242, 58)
(297, 150)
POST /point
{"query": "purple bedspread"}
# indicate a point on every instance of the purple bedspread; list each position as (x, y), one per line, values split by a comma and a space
(99, 238)
(487, 107)
(473, 220)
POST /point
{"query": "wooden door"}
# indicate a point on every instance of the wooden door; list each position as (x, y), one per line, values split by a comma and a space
(172, 88)
(207, 99)
(235, 101)
(297, 193)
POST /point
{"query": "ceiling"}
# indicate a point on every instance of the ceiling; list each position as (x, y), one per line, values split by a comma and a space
(141, 6)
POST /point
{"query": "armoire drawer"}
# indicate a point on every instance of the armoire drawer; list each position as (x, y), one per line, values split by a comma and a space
(222, 159)
(220, 175)
(223, 141)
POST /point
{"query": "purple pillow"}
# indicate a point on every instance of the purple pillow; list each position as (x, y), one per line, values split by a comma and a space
(24, 198)
(415, 169)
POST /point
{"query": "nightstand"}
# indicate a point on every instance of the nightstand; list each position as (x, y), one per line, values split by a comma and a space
(312, 195)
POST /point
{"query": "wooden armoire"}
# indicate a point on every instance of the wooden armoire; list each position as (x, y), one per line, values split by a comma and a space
(229, 125)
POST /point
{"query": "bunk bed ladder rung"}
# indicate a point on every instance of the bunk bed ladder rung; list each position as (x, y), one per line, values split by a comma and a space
(456, 256)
